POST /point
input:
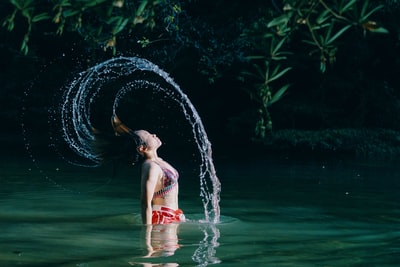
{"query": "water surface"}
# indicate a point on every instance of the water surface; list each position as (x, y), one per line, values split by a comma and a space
(273, 213)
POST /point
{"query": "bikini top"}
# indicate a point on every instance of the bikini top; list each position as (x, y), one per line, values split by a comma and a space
(169, 181)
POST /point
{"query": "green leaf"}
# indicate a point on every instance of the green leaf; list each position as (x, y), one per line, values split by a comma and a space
(318, 27)
(63, 3)
(278, 46)
(364, 8)
(120, 26)
(259, 71)
(278, 95)
(365, 17)
(310, 42)
(379, 30)
(278, 57)
(275, 71)
(266, 73)
(345, 28)
(92, 3)
(277, 75)
(328, 34)
(16, 3)
(27, 13)
(279, 20)
(10, 26)
(115, 19)
(21, 4)
(322, 66)
(324, 16)
(247, 73)
(267, 35)
(24, 46)
(41, 16)
(141, 8)
(347, 6)
(70, 13)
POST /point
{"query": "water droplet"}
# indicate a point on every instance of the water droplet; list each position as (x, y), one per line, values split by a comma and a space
(81, 93)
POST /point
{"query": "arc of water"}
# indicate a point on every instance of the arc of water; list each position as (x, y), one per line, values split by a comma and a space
(77, 129)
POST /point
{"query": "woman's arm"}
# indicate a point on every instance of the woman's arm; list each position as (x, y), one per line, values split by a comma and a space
(150, 175)
(149, 246)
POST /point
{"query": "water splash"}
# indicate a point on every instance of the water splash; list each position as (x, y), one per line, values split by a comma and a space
(82, 92)
(205, 253)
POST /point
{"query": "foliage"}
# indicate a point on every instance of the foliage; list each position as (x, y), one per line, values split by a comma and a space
(267, 39)
(326, 23)
(317, 23)
(264, 76)
(98, 21)
(365, 143)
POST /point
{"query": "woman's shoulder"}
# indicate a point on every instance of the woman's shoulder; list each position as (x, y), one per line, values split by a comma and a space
(150, 165)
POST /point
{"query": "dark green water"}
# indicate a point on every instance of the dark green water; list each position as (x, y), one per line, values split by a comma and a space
(274, 213)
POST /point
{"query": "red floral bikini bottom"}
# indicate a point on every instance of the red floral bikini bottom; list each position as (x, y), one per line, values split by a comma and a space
(165, 215)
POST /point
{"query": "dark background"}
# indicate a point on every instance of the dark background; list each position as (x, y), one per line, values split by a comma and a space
(359, 91)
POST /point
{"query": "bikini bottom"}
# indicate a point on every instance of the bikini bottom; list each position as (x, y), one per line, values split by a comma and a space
(165, 215)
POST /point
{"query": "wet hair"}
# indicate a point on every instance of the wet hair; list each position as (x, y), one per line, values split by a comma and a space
(121, 145)
(137, 157)
(122, 130)
(137, 139)
(109, 147)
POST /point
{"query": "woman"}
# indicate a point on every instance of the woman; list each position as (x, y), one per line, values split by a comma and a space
(159, 180)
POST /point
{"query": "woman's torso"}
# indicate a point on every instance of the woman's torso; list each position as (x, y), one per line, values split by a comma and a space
(166, 189)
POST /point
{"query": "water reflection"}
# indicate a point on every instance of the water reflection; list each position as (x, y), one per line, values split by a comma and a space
(148, 264)
(205, 253)
(161, 239)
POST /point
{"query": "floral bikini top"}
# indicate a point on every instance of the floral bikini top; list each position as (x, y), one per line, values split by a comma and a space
(169, 181)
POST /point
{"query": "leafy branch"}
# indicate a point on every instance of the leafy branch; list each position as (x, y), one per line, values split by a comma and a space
(265, 71)
(100, 21)
(324, 24)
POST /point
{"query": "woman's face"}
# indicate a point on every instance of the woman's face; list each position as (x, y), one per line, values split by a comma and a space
(151, 140)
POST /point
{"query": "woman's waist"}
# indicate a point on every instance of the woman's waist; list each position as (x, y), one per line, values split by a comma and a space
(165, 202)
(165, 208)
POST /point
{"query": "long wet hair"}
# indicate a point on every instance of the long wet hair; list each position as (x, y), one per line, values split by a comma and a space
(121, 145)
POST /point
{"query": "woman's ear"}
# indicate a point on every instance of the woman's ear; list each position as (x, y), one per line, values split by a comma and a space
(141, 149)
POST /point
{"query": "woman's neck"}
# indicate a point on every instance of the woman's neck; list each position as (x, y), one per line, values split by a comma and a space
(152, 156)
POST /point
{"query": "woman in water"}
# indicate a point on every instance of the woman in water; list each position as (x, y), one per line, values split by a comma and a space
(159, 180)
(159, 183)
